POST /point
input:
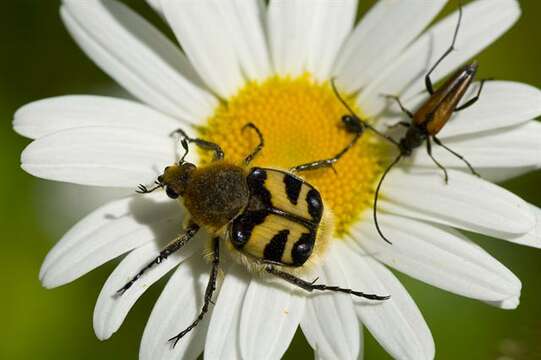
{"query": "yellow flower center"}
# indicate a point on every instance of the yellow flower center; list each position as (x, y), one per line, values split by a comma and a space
(301, 122)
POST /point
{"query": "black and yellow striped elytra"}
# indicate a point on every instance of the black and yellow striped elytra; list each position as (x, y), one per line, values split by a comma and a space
(270, 219)
(281, 221)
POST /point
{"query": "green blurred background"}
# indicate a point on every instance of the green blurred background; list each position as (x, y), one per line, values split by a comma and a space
(40, 60)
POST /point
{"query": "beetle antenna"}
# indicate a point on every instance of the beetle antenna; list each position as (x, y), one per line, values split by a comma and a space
(335, 90)
(376, 196)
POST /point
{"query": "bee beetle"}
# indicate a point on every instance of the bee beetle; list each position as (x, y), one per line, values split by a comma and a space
(270, 219)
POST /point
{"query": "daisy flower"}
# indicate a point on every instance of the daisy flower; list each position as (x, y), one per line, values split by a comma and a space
(244, 61)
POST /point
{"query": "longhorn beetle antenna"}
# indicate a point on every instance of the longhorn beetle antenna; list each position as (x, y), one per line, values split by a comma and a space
(344, 103)
(375, 207)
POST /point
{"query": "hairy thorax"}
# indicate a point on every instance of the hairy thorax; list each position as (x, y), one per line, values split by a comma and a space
(216, 194)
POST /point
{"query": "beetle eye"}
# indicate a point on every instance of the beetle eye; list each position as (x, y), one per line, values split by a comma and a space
(171, 193)
(348, 119)
(160, 179)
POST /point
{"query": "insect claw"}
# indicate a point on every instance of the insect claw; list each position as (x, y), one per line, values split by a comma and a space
(315, 280)
(174, 341)
(122, 290)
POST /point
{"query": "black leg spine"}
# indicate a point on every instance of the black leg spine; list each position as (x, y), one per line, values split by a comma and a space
(311, 286)
(174, 246)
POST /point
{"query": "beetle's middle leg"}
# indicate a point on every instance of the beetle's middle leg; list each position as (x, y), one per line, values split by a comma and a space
(438, 141)
(429, 151)
(402, 107)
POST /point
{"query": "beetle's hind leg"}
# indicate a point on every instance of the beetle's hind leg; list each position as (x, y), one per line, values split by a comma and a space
(474, 99)
(211, 286)
(174, 246)
(428, 82)
(203, 144)
(326, 162)
(311, 286)
(429, 151)
(472, 169)
(259, 146)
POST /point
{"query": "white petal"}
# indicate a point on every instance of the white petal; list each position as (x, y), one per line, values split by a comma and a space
(176, 308)
(223, 337)
(507, 304)
(288, 23)
(111, 308)
(306, 35)
(332, 22)
(245, 19)
(221, 40)
(483, 22)
(439, 256)
(329, 323)
(270, 316)
(532, 238)
(499, 174)
(466, 202)
(396, 323)
(102, 156)
(108, 232)
(380, 36)
(47, 116)
(138, 57)
(518, 146)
